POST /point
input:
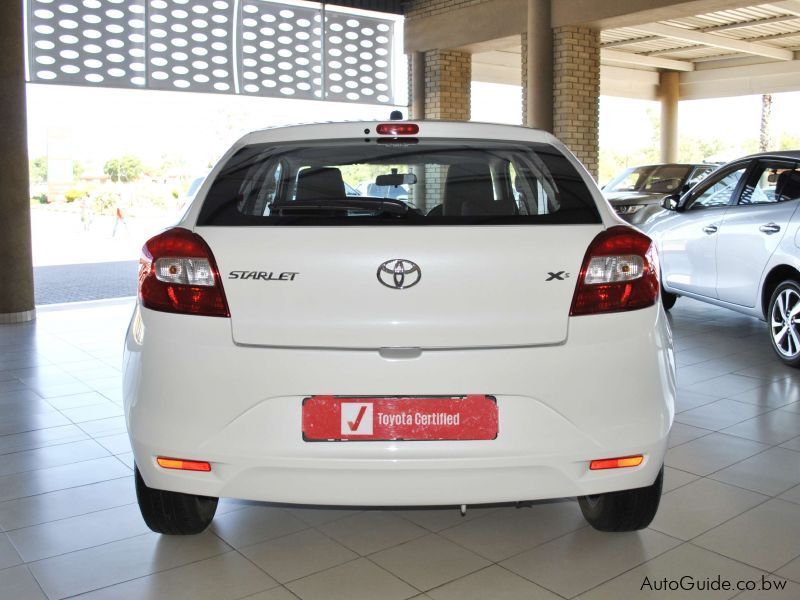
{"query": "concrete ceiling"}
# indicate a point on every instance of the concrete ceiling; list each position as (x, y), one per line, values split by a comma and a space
(739, 50)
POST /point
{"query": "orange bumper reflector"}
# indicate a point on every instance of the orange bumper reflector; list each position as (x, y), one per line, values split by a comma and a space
(616, 463)
(183, 465)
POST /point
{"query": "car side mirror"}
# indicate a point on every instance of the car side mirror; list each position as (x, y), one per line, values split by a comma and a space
(671, 202)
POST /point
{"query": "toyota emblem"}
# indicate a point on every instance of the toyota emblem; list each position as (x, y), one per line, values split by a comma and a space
(399, 274)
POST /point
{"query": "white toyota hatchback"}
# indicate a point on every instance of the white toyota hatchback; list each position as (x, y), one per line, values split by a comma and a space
(495, 334)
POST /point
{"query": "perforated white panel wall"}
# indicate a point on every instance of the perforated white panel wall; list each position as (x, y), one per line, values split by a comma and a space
(253, 47)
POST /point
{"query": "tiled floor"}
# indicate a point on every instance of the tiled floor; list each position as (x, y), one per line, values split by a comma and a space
(69, 524)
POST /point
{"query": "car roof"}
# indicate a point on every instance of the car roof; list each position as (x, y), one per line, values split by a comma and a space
(792, 154)
(427, 129)
(675, 164)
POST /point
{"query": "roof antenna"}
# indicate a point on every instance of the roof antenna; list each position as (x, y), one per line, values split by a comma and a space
(396, 115)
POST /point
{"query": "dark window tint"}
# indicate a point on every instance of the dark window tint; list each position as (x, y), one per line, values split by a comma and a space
(412, 182)
(772, 182)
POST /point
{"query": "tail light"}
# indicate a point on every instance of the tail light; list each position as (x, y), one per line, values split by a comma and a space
(619, 273)
(178, 274)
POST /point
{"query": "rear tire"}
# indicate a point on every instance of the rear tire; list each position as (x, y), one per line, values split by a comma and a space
(668, 299)
(783, 328)
(628, 510)
(173, 513)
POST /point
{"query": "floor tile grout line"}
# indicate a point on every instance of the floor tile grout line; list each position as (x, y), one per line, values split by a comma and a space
(13, 452)
(769, 447)
(767, 499)
(230, 549)
(60, 554)
(58, 443)
(283, 587)
(71, 487)
(559, 536)
(38, 583)
(104, 587)
(680, 543)
(475, 506)
(741, 562)
(69, 464)
(130, 537)
(724, 432)
(91, 512)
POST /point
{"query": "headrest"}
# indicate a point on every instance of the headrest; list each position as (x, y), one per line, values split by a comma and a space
(323, 183)
(788, 186)
(466, 182)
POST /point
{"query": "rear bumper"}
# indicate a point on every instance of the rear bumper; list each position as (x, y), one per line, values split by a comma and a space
(191, 393)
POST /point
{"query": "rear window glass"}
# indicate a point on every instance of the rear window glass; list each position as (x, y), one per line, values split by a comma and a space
(410, 182)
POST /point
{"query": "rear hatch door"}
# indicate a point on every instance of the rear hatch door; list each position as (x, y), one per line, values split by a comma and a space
(320, 287)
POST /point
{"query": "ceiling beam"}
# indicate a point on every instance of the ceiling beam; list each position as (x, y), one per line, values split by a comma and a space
(789, 6)
(630, 41)
(612, 14)
(774, 36)
(672, 50)
(754, 23)
(629, 58)
(764, 78)
(717, 41)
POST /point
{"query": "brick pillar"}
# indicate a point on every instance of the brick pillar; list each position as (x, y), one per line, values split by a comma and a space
(448, 77)
(576, 91)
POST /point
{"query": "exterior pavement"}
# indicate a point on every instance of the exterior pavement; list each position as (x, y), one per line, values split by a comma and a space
(92, 281)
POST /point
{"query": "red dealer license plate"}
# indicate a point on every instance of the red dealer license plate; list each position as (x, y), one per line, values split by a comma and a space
(335, 418)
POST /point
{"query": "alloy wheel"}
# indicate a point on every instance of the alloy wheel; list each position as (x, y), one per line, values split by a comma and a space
(783, 323)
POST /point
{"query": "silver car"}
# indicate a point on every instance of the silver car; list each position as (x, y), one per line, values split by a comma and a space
(637, 192)
(734, 241)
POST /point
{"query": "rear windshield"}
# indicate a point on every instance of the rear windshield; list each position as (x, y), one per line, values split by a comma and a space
(407, 182)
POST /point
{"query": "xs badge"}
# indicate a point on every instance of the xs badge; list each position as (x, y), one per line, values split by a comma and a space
(557, 276)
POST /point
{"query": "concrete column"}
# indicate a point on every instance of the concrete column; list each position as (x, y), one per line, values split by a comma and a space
(576, 92)
(537, 67)
(669, 91)
(417, 85)
(417, 192)
(16, 264)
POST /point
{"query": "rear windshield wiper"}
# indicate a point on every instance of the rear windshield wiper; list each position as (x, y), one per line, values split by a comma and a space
(394, 207)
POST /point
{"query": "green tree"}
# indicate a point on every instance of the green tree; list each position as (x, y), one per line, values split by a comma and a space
(125, 169)
(77, 169)
(787, 141)
(38, 169)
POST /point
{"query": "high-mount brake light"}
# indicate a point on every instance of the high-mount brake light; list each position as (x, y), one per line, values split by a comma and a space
(619, 273)
(183, 465)
(397, 129)
(616, 463)
(178, 274)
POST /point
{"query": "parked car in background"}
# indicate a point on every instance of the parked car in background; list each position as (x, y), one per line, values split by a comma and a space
(636, 193)
(295, 344)
(734, 241)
